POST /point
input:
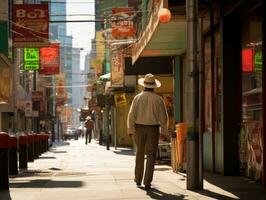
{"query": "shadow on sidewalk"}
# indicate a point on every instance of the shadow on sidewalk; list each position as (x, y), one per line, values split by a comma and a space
(242, 188)
(46, 183)
(160, 195)
(5, 195)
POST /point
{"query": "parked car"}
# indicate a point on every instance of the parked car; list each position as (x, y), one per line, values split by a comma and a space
(71, 133)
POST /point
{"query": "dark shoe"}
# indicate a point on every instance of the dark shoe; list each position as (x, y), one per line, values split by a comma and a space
(138, 184)
(147, 187)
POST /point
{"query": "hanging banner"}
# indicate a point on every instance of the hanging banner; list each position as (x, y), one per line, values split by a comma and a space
(31, 58)
(50, 59)
(123, 26)
(30, 27)
(117, 69)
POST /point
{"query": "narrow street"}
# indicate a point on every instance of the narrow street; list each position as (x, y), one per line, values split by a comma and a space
(74, 171)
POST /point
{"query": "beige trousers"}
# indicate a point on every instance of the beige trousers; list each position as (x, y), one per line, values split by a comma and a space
(146, 138)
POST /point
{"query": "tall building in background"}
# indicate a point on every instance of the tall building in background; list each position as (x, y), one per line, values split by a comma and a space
(78, 78)
(69, 68)
(58, 33)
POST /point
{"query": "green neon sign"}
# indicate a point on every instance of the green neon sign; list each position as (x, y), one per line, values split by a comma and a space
(258, 61)
(31, 59)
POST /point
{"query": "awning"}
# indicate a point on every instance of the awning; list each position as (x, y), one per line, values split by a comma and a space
(105, 77)
(160, 39)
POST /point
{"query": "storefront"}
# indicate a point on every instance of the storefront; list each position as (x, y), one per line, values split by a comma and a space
(233, 91)
(251, 143)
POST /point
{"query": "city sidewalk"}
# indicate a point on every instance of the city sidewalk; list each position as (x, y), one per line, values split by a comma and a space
(74, 171)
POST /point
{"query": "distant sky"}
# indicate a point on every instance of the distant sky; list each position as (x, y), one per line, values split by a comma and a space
(82, 32)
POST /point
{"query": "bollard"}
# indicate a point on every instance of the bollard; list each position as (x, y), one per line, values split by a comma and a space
(36, 146)
(40, 144)
(13, 156)
(46, 142)
(30, 148)
(23, 151)
(4, 148)
(42, 138)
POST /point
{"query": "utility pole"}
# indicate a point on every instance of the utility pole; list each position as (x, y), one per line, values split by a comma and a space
(193, 104)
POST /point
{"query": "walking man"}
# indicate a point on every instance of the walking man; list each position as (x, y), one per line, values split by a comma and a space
(147, 119)
(89, 127)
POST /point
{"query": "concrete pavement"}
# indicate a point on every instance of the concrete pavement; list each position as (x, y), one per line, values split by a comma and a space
(74, 171)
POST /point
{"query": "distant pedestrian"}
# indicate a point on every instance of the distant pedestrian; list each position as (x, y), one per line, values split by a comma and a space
(147, 119)
(89, 128)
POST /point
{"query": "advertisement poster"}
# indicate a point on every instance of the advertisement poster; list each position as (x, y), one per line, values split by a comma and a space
(123, 27)
(117, 69)
(50, 60)
(30, 27)
(254, 162)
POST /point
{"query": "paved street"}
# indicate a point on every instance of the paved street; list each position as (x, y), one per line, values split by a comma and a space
(74, 171)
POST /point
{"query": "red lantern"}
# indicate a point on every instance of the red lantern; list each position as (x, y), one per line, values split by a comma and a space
(164, 15)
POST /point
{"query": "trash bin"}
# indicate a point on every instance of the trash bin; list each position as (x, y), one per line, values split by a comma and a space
(30, 148)
(4, 148)
(13, 157)
(23, 151)
(181, 134)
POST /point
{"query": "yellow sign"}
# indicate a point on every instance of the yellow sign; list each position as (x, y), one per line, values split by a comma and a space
(120, 99)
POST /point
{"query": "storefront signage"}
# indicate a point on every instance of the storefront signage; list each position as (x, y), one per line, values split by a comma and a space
(120, 99)
(28, 108)
(37, 95)
(30, 25)
(258, 61)
(123, 26)
(50, 60)
(248, 60)
(31, 58)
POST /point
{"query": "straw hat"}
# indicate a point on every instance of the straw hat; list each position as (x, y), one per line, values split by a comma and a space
(149, 81)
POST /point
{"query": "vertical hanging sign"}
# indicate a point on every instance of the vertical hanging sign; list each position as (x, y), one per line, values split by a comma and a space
(31, 58)
(50, 60)
(117, 69)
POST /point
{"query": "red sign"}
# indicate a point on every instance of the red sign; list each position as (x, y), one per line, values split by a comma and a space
(30, 25)
(123, 26)
(50, 60)
(37, 95)
(248, 60)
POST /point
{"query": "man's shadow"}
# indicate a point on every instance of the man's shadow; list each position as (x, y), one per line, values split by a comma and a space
(160, 195)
